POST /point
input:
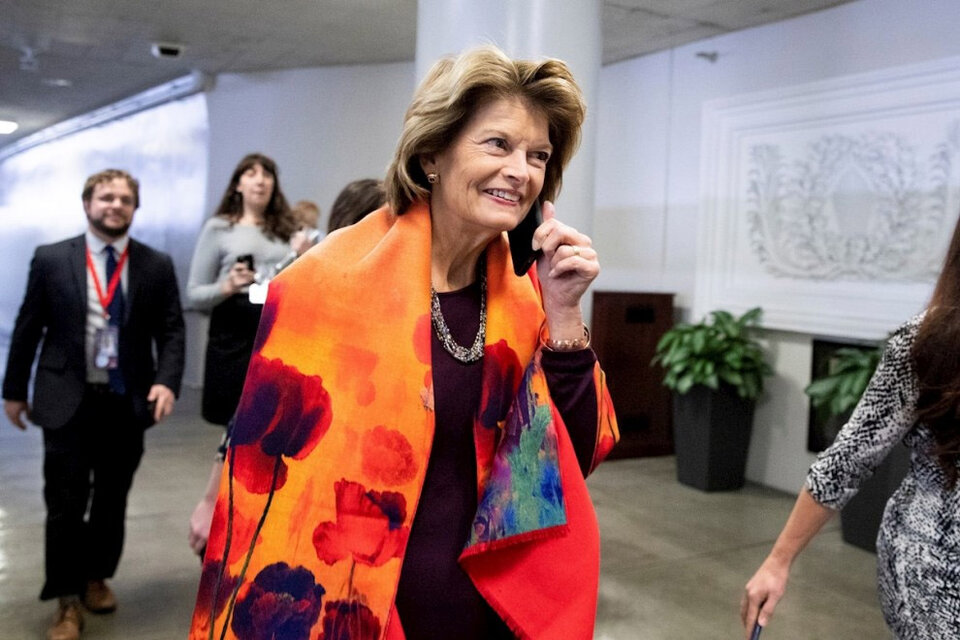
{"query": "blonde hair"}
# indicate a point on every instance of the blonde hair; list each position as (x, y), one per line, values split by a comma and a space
(456, 87)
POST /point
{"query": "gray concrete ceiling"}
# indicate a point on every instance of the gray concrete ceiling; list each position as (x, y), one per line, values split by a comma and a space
(59, 59)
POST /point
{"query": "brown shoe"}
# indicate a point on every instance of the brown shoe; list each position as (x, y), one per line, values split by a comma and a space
(68, 623)
(99, 598)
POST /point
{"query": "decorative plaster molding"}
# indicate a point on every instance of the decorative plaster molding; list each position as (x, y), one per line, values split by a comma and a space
(831, 204)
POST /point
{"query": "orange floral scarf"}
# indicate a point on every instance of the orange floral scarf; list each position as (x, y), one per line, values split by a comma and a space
(330, 444)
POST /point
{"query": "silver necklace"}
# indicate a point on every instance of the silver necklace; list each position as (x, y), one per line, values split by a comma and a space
(464, 355)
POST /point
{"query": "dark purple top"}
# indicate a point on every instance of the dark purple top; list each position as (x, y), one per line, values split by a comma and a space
(435, 597)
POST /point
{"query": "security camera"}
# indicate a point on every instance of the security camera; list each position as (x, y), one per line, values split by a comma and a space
(166, 50)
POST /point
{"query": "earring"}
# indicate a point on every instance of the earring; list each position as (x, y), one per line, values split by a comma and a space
(433, 178)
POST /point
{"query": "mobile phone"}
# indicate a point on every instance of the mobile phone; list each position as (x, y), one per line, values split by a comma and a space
(247, 259)
(521, 240)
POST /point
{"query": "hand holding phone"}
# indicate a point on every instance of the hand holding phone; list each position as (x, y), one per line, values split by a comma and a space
(246, 259)
(521, 240)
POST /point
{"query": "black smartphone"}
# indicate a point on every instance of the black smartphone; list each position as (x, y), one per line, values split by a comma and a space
(247, 259)
(521, 240)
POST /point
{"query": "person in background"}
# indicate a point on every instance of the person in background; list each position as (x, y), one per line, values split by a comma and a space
(244, 240)
(353, 203)
(409, 454)
(101, 304)
(307, 214)
(914, 398)
(308, 233)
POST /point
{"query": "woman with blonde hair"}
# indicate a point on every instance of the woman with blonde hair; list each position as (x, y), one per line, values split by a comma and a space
(408, 457)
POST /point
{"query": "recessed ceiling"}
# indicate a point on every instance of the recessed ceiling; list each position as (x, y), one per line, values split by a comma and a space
(62, 59)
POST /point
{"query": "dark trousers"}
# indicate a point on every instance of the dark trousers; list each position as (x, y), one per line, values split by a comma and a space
(88, 467)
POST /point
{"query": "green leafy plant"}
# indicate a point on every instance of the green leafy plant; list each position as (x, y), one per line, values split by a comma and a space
(714, 352)
(850, 372)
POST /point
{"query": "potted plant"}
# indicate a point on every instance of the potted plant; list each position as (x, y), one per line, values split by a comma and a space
(715, 369)
(836, 394)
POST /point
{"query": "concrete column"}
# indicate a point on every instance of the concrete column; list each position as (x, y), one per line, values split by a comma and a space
(565, 29)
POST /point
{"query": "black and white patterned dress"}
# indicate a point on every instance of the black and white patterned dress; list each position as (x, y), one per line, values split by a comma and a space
(918, 547)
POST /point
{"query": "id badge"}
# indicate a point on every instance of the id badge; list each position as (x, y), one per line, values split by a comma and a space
(258, 292)
(106, 342)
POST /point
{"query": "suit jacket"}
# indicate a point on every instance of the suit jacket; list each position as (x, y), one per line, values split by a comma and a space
(54, 310)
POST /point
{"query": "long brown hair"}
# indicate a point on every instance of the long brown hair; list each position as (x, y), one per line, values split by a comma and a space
(278, 219)
(936, 354)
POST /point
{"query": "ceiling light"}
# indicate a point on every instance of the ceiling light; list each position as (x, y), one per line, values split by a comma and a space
(57, 82)
(166, 50)
(8, 126)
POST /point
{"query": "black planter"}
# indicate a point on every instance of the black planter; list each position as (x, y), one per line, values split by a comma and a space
(860, 519)
(711, 432)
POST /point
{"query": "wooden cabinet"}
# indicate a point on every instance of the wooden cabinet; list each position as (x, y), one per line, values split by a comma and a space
(625, 329)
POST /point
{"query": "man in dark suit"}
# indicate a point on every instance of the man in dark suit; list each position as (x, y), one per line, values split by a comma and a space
(100, 303)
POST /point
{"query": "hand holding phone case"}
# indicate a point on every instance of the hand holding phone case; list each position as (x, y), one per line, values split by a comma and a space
(521, 240)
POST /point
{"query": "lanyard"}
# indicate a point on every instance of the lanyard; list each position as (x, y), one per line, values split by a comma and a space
(106, 298)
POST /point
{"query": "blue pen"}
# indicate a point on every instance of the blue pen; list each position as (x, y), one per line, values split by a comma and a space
(756, 632)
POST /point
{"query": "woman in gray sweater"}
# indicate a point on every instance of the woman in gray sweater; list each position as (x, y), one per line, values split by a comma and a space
(248, 234)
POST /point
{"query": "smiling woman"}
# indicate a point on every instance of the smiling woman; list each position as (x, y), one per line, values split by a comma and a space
(491, 174)
(439, 492)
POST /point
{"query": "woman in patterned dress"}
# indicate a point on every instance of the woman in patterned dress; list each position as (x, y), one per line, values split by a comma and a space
(914, 398)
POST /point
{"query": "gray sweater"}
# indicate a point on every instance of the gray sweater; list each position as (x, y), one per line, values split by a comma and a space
(216, 252)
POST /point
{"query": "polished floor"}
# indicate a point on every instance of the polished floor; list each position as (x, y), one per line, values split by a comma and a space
(674, 559)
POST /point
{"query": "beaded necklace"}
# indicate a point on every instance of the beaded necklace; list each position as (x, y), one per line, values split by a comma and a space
(475, 352)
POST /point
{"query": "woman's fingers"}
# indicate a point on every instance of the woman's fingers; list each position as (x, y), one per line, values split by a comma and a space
(241, 276)
(766, 610)
(570, 258)
(553, 234)
(748, 615)
(760, 597)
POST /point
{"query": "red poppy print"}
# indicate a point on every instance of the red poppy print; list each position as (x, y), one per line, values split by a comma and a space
(349, 620)
(282, 413)
(242, 529)
(387, 457)
(501, 378)
(369, 526)
(212, 581)
(282, 602)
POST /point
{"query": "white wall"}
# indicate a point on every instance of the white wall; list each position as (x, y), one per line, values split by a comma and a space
(324, 126)
(648, 165)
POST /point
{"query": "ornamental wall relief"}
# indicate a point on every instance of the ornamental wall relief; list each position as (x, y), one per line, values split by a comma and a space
(865, 207)
(830, 204)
